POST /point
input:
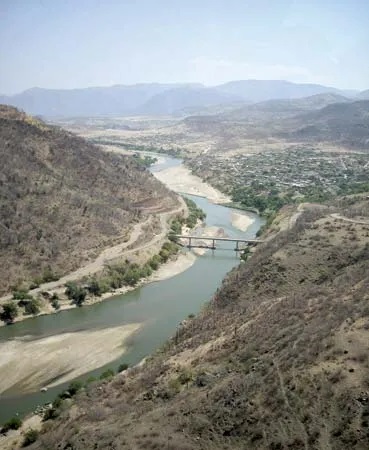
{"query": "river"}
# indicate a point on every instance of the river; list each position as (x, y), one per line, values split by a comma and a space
(159, 306)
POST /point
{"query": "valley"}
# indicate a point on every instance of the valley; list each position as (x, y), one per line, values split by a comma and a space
(184, 225)
(98, 326)
(277, 327)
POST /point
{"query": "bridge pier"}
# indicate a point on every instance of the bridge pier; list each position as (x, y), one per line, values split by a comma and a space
(237, 246)
(189, 243)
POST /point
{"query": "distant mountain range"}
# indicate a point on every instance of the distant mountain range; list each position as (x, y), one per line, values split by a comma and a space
(364, 95)
(156, 98)
(282, 108)
(342, 123)
(318, 118)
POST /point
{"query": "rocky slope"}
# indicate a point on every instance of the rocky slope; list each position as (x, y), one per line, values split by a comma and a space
(278, 360)
(63, 200)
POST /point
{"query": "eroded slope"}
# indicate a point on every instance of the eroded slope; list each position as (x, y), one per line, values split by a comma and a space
(278, 359)
(64, 200)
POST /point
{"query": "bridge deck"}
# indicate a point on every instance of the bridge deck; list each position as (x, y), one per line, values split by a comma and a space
(209, 238)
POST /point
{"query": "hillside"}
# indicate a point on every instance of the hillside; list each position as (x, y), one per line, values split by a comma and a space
(342, 123)
(64, 200)
(364, 95)
(323, 118)
(282, 108)
(278, 360)
(155, 98)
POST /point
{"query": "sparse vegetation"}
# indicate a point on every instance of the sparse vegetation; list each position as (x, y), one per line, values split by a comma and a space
(76, 200)
(109, 373)
(75, 293)
(122, 367)
(13, 424)
(30, 437)
(9, 312)
(275, 360)
(54, 300)
(194, 214)
(32, 307)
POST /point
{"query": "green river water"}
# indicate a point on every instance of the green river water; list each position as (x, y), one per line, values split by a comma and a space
(161, 306)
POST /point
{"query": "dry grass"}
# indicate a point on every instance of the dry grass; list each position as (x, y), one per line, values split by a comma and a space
(277, 360)
(63, 200)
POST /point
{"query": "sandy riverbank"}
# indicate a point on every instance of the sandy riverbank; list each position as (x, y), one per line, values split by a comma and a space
(180, 179)
(181, 264)
(120, 251)
(26, 365)
(206, 231)
(173, 267)
(241, 221)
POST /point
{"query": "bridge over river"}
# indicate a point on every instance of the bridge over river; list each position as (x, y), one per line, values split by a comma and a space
(192, 241)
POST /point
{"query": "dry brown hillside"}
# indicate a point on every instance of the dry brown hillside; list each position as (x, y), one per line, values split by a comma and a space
(278, 360)
(62, 200)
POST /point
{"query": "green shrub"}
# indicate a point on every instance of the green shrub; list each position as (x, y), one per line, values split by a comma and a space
(9, 313)
(35, 283)
(48, 275)
(55, 301)
(132, 276)
(30, 437)
(154, 262)
(185, 376)
(122, 367)
(22, 295)
(13, 424)
(74, 387)
(245, 254)
(75, 293)
(164, 255)
(51, 413)
(94, 288)
(32, 307)
(90, 380)
(146, 270)
(107, 374)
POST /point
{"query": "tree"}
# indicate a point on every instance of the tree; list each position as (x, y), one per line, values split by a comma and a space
(79, 296)
(132, 276)
(94, 288)
(55, 301)
(32, 307)
(10, 312)
(75, 293)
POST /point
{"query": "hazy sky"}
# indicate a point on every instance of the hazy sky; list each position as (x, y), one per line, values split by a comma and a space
(80, 43)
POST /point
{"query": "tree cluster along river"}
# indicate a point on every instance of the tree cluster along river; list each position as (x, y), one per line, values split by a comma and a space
(159, 307)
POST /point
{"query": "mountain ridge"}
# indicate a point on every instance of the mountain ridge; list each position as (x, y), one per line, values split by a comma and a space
(140, 99)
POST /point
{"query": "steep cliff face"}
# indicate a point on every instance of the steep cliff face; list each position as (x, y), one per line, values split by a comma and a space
(278, 360)
(62, 199)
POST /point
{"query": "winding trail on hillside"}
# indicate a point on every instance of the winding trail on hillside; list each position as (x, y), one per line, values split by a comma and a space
(114, 252)
(347, 219)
